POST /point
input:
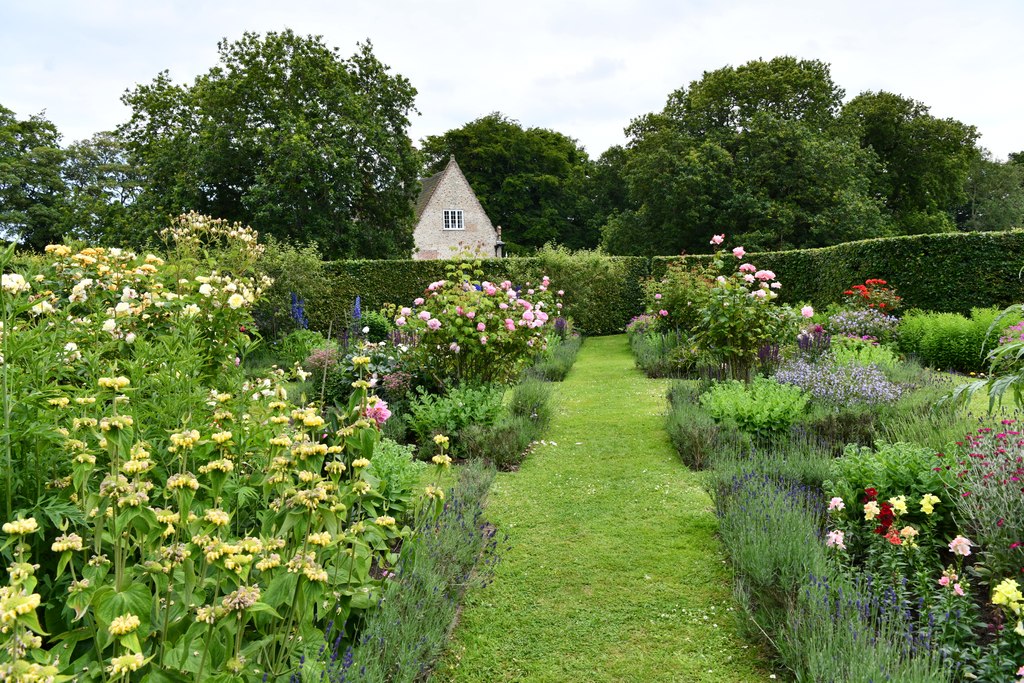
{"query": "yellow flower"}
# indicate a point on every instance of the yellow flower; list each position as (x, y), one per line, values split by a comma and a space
(61, 402)
(66, 542)
(185, 480)
(124, 664)
(360, 462)
(928, 503)
(360, 360)
(217, 517)
(335, 467)
(185, 439)
(124, 624)
(57, 250)
(322, 539)
(899, 504)
(20, 527)
(221, 437)
(1008, 593)
(441, 440)
(385, 520)
(871, 510)
(118, 382)
(434, 492)
(442, 460)
(223, 465)
(361, 487)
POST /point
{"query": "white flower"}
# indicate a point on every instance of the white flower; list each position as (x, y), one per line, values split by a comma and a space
(236, 301)
(42, 307)
(109, 325)
(205, 289)
(130, 337)
(14, 283)
(191, 310)
(122, 309)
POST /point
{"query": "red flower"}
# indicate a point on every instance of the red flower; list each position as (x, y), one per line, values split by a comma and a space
(871, 494)
(885, 518)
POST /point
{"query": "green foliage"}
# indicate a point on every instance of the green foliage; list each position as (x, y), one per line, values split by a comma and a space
(763, 407)
(893, 469)
(284, 134)
(432, 414)
(299, 270)
(296, 346)
(534, 179)
(504, 444)
(923, 162)
(995, 195)
(397, 472)
(555, 363)
(380, 326)
(531, 399)
(32, 201)
(846, 350)
(949, 341)
(697, 437)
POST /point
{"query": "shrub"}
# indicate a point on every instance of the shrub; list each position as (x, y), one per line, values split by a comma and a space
(297, 346)
(949, 341)
(848, 350)
(469, 330)
(432, 414)
(664, 354)
(504, 445)
(555, 363)
(296, 271)
(763, 408)
(531, 399)
(697, 437)
(377, 325)
(874, 294)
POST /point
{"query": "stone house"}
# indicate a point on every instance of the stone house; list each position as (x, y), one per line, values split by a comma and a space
(449, 219)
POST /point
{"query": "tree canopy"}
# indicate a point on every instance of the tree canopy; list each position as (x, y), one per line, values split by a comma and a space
(284, 135)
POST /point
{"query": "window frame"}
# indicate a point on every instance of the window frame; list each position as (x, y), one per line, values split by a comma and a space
(453, 217)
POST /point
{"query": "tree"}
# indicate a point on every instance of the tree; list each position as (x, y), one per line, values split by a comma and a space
(924, 161)
(995, 195)
(101, 188)
(285, 135)
(31, 188)
(531, 181)
(752, 150)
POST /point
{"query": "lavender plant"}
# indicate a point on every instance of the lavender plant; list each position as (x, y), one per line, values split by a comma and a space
(865, 322)
(840, 384)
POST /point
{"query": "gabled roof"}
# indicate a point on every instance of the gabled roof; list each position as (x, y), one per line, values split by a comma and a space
(430, 184)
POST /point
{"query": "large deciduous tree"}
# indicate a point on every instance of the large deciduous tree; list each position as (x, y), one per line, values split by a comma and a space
(31, 188)
(924, 161)
(531, 181)
(287, 136)
(101, 188)
(752, 150)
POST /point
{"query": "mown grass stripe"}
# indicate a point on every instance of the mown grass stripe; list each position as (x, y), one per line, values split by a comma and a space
(613, 572)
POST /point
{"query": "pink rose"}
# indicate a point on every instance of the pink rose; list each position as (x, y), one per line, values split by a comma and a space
(528, 315)
(510, 324)
(424, 315)
(718, 239)
(748, 268)
(503, 306)
(458, 310)
(739, 252)
(760, 294)
(400, 320)
(480, 327)
(418, 302)
(748, 277)
(807, 312)
(764, 275)
(663, 313)
(483, 341)
(406, 311)
(453, 347)
(657, 296)
(776, 285)
(434, 323)
(471, 314)
(561, 292)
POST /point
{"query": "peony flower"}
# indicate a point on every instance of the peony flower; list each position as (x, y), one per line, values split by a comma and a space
(400, 321)
(960, 546)
(807, 312)
(423, 315)
(739, 252)
(718, 239)
(418, 301)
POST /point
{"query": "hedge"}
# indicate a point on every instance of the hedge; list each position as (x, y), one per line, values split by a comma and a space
(949, 272)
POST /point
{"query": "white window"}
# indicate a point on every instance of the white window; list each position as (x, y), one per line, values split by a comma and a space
(453, 219)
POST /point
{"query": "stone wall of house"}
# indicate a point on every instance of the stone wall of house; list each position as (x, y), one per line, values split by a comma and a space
(433, 241)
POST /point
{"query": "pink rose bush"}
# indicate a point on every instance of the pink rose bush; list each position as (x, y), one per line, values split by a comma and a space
(473, 330)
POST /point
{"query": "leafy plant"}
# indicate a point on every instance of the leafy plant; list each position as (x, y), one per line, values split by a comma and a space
(397, 472)
(432, 414)
(763, 408)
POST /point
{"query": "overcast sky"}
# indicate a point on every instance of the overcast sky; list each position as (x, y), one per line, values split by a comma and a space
(581, 67)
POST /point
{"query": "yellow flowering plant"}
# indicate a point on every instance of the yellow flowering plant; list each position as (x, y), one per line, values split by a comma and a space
(194, 522)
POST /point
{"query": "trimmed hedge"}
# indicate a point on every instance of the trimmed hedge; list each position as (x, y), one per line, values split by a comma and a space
(949, 272)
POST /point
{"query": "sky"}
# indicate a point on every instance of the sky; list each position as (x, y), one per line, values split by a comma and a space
(584, 68)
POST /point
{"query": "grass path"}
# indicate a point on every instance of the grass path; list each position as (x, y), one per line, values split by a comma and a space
(614, 572)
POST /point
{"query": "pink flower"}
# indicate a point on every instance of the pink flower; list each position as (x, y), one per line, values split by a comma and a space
(764, 275)
(739, 252)
(238, 361)
(379, 412)
(944, 581)
(506, 284)
(400, 321)
(406, 311)
(503, 306)
(470, 314)
(718, 239)
(558, 306)
(748, 277)
(434, 323)
(776, 285)
(836, 504)
(490, 289)
(480, 327)
(418, 302)
(657, 296)
(807, 312)
(748, 268)
(957, 589)
(423, 315)
(760, 294)
(834, 539)
(663, 313)
(542, 316)
(453, 347)
(960, 546)
(483, 341)
(561, 292)
(528, 315)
